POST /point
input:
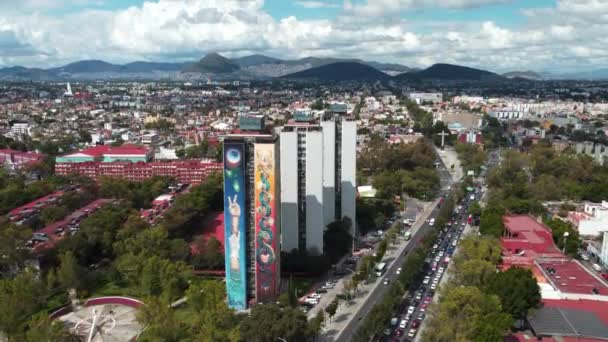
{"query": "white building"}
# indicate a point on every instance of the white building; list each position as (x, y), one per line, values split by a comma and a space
(302, 221)
(591, 221)
(508, 114)
(426, 97)
(21, 129)
(318, 180)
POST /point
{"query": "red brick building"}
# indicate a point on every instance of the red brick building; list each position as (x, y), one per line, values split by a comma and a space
(187, 172)
(17, 159)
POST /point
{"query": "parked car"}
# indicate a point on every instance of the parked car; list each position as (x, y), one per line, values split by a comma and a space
(412, 333)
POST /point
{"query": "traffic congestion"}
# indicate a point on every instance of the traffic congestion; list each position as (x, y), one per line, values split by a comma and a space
(413, 309)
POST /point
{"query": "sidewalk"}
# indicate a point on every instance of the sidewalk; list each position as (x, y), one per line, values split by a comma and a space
(346, 312)
(449, 157)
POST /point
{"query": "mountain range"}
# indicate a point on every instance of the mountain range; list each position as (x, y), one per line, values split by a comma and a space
(216, 66)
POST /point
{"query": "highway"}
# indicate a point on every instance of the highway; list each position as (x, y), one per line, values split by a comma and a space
(379, 290)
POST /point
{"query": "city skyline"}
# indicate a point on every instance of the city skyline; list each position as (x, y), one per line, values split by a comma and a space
(498, 35)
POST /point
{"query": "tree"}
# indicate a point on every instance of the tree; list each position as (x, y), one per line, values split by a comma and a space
(12, 240)
(269, 322)
(475, 209)
(332, 308)
(316, 324)
(382, 246)
(160, 321)
(517, 290)
(211, 254)
(337, 240)
(491, 221)
(20, 297)
(53, 213)
(69, 273)
(214, 321)
(465, 314)
(41, 328)
(292, 298)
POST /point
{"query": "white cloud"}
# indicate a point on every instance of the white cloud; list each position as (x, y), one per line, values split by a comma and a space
(566, 35)
(316, 4)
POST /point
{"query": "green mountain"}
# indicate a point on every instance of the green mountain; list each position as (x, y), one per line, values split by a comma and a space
(450, 72)
(212, 63)
(341, 71)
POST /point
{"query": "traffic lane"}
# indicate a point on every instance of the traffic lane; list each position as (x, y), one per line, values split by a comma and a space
(379, 291)
(443, 246)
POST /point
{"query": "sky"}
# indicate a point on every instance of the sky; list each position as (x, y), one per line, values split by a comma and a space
(497, 35)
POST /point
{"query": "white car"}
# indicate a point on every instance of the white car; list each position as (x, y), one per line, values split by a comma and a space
(431, 222)
(412, 333)
(403, 324)
(585, 257)
(411, 310)
(398, 270)
(426, 280)
(433, 286)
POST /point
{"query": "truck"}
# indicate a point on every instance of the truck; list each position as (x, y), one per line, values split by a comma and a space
(407, 236)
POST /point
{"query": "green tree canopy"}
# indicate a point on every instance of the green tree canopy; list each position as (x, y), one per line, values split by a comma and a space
(517, 290)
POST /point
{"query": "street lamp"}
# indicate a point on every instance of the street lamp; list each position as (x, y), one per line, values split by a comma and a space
(566, 234)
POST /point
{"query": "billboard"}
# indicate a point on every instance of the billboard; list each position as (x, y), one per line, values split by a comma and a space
(266, 263)
(234, 225)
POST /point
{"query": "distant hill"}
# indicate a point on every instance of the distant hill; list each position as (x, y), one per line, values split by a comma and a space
(531, 75)
(254, 60)
(449, 72)
(88, 66)
(341, 71)
(152, 66)
(212, 63)
(593, 75)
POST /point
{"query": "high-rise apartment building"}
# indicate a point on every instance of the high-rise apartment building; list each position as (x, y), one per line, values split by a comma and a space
(318, 180)
(252, 218)
(339, 168)
(302, 204)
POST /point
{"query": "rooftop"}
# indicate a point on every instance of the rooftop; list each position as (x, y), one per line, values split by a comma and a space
(571, 318)
(126, 149)
(571, 277)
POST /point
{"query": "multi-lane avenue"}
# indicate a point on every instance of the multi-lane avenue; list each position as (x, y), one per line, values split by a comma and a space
(379, 290)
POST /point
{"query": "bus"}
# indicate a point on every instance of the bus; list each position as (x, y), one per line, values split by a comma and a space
(380, 269)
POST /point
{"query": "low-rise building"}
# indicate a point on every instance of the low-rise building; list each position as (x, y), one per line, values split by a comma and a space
(187, 172)
(592, 220)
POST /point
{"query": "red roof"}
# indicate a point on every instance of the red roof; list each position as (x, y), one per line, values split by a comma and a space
(521, 337)
(525, 234)
(40, 201)
(126, 149)
(571, 277)
(213, 226)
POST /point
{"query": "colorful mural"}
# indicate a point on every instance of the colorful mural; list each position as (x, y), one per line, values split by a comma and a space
(234, 225)
(265, 219)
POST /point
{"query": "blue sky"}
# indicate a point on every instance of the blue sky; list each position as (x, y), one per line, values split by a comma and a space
(494, 34)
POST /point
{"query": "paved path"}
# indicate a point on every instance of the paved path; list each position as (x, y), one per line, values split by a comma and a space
(449, 157)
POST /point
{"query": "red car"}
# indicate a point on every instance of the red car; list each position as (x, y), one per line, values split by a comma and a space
(428, 299)
(424, 306)
(399, 333)
(605, 275)
(415, 323)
